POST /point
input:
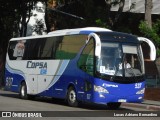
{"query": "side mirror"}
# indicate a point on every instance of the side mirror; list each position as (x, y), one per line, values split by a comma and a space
(152, 47)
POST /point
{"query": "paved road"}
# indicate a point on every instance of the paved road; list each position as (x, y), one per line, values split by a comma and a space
(10, 101)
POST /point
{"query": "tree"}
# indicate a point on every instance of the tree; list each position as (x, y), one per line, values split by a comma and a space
(7, 8)
(148, 12)
(112, 21)
(64, 14)
(151, 30)
(24, 12)
(50, 17)
(13, 21)
(146, 27)
(151, 33)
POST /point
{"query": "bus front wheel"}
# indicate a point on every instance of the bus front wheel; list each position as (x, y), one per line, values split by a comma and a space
(72, 97)
(114, 105)
(23, 91)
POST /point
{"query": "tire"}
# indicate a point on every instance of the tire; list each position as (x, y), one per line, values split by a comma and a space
(72, 97)
(114, 105)
(23, 91)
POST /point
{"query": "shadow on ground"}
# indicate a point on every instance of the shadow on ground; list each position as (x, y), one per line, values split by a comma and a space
(61, 102)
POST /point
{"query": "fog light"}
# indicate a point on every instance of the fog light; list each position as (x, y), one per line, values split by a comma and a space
(140, 98)
(141, 91)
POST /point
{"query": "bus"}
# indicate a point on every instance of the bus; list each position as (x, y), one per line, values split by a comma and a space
(92, 65)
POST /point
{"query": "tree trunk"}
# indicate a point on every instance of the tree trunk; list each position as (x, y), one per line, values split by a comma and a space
(108, 8)
(113, 22)
(119, 12)
(148, 12)
(50, 17)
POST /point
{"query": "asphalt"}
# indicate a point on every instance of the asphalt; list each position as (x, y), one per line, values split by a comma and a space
(146, 104)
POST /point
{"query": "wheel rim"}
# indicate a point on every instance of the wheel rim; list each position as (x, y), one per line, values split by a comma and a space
(72, 96)
(23, 91)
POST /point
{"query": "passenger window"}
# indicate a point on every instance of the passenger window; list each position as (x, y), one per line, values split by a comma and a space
(16, 50)
(70, 46)
(11, 47)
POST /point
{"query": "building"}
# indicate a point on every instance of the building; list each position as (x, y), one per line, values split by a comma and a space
(138, 6)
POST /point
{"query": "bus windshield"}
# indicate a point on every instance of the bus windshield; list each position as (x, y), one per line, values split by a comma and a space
(120, 60)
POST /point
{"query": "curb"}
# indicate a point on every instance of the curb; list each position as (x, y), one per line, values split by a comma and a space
(143, 106)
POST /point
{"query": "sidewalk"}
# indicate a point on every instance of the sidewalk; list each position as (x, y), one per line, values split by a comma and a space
(147, 104)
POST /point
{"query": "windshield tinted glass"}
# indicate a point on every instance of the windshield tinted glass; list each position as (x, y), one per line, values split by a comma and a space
(119, 60)
(111, 55)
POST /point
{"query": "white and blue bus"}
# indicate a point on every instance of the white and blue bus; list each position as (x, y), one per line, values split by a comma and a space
(90, 64)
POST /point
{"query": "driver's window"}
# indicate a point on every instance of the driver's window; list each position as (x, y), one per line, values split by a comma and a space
(132, 59)
(86, 61)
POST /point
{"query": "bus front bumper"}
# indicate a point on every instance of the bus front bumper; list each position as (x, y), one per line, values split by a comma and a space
(101, 98)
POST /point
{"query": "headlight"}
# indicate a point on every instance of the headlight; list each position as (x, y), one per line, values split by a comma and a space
(141, 91)
(100, 89)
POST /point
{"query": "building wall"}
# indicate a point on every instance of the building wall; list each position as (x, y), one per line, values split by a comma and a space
(152, 94)
(137, 6)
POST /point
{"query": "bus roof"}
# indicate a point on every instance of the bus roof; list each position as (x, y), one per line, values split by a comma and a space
(86, 30)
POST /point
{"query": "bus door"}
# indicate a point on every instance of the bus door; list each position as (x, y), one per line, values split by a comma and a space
(38, 83)
(32, 87)
(43, 83)
(87, 65)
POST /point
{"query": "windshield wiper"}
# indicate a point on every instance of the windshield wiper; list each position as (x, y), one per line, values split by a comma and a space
(131, 73)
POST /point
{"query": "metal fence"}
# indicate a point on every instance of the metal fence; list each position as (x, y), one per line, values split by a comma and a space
(152, 81)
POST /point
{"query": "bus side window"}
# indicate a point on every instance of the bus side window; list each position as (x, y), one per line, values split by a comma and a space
(11, 47)
(19, 49)
(86, 61)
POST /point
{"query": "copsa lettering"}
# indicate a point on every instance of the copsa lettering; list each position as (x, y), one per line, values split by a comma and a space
(31, 64)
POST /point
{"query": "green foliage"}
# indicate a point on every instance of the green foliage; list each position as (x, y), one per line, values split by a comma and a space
(151, 33)
(100, 23)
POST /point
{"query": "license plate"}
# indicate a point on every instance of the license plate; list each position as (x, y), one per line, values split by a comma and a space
(122, 100)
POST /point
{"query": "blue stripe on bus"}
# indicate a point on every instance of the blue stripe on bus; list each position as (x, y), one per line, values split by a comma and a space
(14, 71)
(61, 69)
(86, 32)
